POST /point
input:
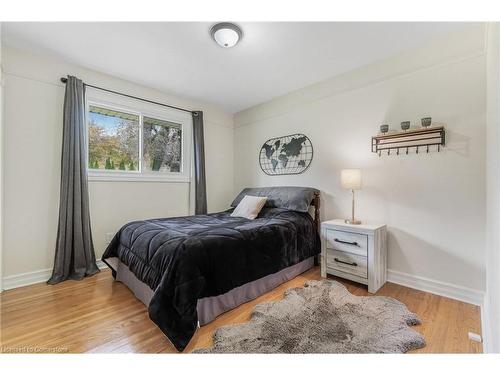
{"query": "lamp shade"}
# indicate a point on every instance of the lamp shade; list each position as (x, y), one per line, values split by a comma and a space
(350, 179)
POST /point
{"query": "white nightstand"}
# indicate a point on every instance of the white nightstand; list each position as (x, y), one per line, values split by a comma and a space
(354, 252)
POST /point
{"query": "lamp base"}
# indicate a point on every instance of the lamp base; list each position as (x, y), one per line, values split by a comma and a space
(352, 222)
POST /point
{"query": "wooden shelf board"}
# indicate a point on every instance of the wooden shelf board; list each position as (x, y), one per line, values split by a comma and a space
(411, 132)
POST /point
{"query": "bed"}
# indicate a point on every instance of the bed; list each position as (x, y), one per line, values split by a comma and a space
(188, 270)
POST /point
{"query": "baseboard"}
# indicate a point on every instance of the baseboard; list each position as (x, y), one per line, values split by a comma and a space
(460, 293)
(24, 279)
(485, 325)
(35, 277)
(100, 264)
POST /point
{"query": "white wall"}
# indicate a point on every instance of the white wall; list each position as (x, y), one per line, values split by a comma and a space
(33, 131)
(492, 300)
(433, 204)
(1, 160)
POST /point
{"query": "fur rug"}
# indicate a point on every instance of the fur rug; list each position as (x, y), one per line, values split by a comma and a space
(322, 317)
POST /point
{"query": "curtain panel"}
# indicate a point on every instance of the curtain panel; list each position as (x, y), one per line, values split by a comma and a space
(200, 189)
(74, 256)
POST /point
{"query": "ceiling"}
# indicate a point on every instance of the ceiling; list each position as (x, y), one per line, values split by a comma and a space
(180, 58)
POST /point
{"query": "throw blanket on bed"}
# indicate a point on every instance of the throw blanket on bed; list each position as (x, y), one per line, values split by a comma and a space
(186, 258)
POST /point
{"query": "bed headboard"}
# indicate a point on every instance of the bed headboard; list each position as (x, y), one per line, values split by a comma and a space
(295, 198)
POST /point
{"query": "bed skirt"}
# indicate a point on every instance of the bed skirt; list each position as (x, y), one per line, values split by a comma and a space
(209, 308)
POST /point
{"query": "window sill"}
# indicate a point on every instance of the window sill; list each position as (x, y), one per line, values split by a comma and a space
(136, 177)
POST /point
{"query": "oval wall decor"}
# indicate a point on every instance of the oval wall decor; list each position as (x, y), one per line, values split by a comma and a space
(291, 154)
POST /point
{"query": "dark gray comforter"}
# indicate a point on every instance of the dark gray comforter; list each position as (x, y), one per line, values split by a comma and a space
(186, 258)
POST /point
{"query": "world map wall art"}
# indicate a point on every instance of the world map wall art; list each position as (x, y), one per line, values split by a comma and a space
(291, 154)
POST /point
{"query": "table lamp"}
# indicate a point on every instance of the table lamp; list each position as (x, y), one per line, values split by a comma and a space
(351, 179)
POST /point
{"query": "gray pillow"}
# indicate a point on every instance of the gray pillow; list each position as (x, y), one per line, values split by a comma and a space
(294, 198)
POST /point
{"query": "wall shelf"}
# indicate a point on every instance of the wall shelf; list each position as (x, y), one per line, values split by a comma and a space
(406, 140)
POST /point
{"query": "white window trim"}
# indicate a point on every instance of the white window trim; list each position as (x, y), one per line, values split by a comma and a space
(129, 105)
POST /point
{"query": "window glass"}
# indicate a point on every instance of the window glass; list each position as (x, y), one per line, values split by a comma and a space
(162, 145)
(113, 139)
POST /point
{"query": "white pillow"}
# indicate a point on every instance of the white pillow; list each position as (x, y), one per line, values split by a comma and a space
(249, 207)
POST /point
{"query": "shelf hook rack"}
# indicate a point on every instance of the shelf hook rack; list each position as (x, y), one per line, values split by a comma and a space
(424, 137)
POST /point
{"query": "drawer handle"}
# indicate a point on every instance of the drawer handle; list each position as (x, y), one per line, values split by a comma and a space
(348, 263)
(346, 242)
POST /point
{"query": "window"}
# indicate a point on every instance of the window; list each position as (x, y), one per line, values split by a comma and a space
(130, 140)
(113, 139)
(162, 146)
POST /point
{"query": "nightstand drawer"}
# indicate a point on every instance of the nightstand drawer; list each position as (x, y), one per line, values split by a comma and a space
(347, 262)
(354, 243)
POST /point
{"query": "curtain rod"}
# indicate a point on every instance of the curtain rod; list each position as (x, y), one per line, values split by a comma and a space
(64, 80)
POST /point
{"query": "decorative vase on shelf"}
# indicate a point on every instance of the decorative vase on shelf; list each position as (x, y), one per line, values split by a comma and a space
(384, 128)
(426, 122)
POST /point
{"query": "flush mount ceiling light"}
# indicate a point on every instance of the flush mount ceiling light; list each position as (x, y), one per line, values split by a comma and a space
(226, 34)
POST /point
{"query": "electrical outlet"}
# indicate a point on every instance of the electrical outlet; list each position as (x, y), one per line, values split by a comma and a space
(108, 237)
(475, 337)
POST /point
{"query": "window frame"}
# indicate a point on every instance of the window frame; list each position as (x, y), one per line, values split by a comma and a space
(117, 102)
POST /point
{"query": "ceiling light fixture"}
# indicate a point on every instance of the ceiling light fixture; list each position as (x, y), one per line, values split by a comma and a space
(226, 34)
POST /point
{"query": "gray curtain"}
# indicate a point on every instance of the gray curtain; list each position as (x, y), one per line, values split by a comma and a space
(200, 189)
(75, 256)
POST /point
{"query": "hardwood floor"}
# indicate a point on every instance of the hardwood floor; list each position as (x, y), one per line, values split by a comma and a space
(100, 315)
